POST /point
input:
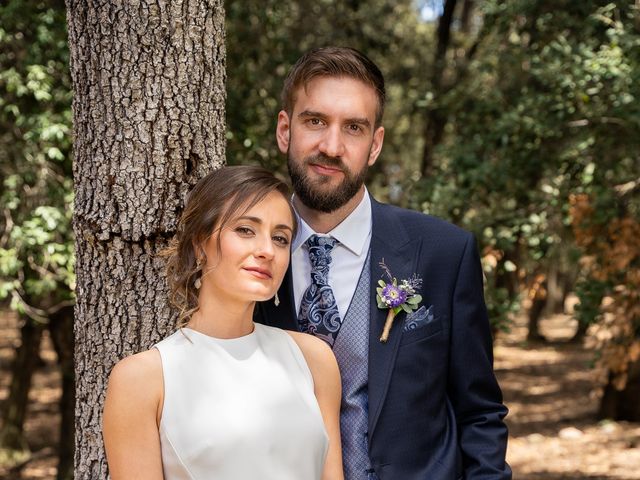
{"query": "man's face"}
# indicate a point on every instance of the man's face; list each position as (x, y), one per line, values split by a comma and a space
(330, 140)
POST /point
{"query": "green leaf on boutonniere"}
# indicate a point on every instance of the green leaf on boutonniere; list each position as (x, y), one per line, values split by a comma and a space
(415, 300)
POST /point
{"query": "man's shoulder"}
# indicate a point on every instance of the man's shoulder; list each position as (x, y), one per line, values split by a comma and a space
(417, 222)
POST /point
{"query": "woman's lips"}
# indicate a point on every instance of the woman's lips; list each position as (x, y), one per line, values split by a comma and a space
(259, 272)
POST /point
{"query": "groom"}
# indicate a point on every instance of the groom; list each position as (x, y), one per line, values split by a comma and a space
(422, 404)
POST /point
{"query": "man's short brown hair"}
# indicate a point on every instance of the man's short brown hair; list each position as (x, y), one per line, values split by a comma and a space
(333, 62)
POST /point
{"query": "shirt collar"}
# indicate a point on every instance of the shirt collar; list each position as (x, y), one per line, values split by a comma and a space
(349, 232)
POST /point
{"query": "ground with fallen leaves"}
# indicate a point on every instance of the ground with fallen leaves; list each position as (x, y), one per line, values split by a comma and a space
(548, 387)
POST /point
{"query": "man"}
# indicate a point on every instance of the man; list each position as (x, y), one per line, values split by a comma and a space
(422, 404)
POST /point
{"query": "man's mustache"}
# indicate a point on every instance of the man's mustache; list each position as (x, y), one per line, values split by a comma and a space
(326, 161)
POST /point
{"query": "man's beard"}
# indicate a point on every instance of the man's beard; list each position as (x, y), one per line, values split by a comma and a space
(326, 201)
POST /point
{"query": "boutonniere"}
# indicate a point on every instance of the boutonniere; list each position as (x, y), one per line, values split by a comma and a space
(396, 297)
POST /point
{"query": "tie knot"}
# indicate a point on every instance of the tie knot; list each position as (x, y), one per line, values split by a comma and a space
(320, 253)
(327, 243)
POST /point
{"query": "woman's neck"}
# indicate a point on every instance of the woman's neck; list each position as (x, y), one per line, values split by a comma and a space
(222, 319)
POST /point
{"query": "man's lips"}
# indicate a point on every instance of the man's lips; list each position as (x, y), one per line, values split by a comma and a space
(259, 272)
(325, 169)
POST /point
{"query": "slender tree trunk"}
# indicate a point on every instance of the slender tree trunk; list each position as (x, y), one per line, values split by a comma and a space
(539, 295)
(465, 16)
(61, 328)
(24, 365)
(535, 314)
(435, 117)
(149, 83)
(623, 404)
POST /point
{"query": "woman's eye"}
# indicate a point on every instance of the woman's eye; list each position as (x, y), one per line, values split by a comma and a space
(281, 240)
(244, 231)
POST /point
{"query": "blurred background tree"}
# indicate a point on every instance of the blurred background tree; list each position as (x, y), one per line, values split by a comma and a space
(36, 249)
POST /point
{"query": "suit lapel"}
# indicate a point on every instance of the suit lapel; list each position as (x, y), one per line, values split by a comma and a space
(389, 241)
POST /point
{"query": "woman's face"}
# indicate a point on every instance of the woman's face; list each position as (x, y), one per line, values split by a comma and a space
(253, 255)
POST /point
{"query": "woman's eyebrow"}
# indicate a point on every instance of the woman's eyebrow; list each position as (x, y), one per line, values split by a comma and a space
(259, 221)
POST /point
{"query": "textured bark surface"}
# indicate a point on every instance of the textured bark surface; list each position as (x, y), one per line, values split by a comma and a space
(149, 92)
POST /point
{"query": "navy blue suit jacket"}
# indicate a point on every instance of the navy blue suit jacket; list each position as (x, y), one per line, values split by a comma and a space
(435, 407)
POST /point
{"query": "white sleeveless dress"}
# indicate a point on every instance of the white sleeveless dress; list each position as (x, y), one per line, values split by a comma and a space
(241, 408)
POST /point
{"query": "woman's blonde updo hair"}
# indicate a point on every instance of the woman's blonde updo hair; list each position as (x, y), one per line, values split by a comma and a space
(220, 196)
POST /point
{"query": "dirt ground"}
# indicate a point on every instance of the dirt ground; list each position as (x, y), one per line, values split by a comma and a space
(553, 431)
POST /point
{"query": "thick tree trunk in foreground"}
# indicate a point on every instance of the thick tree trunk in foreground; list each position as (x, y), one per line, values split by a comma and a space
(149, 83)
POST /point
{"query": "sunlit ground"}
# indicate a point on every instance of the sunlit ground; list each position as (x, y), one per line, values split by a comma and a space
(554, 433)
(549, 390)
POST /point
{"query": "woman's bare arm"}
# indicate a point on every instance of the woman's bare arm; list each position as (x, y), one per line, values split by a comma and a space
(131, 418)
(328, 391)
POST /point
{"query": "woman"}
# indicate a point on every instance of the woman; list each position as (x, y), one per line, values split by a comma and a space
(224, 398)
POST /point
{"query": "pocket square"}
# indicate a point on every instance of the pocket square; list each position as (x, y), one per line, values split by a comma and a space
(419, 318)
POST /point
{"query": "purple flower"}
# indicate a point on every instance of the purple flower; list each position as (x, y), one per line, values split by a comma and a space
(393, 296)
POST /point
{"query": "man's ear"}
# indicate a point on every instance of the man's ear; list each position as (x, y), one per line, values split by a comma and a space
(283, 131)
(376, 145)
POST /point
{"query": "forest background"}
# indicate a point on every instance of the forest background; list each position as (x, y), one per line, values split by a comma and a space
(516, 119)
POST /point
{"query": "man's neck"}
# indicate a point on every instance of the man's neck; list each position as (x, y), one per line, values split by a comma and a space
(322, 222)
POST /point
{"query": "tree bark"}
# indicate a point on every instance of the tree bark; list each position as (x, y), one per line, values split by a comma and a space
(149, 82)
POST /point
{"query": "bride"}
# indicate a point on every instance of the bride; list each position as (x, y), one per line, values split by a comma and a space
(223, 397)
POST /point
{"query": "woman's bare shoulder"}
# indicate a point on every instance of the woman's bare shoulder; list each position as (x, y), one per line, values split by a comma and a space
(138, 377)
(319, 356)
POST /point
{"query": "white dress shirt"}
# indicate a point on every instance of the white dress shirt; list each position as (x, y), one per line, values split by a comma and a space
(347, 257)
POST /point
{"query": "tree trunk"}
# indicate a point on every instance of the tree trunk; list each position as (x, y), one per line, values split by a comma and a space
(539, 295)
(61, 328)
(24, 364)
(149, 83)
(623, 404)
(436, 118)
(465, 16)
(535, 313)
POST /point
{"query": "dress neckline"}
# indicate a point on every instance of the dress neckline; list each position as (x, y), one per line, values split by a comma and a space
(248, 338)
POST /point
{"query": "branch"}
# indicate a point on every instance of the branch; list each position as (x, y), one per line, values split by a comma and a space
(38, 314)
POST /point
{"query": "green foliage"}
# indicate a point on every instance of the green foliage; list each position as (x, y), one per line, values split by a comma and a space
(590, 292)
(265, 38)
(548, 108)
(36, 245)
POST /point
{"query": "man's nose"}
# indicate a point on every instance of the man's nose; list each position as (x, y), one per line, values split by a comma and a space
(332, 144)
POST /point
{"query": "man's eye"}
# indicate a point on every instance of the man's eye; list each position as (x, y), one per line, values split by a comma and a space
(354, 128)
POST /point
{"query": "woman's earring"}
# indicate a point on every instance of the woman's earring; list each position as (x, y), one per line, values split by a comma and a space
(276, 300)
(198, 281)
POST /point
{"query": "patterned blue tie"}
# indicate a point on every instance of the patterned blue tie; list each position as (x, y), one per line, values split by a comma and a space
(318, 310)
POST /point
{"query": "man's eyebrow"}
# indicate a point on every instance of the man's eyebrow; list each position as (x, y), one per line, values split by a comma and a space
(311, 113)
(259, 221)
